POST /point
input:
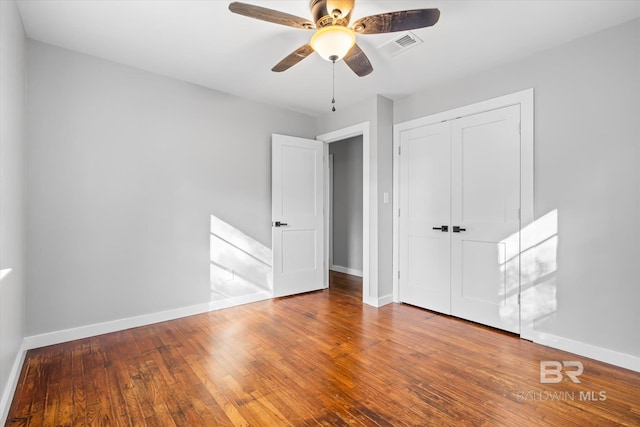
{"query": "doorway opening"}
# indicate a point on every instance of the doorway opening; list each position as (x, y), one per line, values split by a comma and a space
(345, 206)
(369, 235)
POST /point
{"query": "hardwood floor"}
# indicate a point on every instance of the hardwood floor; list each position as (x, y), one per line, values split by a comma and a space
(321, 358)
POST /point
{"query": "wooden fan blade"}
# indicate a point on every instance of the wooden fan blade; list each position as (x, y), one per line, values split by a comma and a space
(397, 21)
(358, 61)
(270, 15)
(293, 58)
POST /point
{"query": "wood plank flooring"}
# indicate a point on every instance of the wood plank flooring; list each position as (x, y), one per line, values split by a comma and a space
(321, 358)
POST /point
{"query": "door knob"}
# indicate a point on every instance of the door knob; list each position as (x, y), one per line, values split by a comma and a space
(281, 224)
(443, 228)
(457, 229)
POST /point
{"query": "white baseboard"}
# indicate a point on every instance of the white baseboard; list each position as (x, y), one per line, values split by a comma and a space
(346, 270)
(50, 338)
(12, 383)
(57, 337)
(601, 354)
(370, 301)
(387, 299)
(378, 302)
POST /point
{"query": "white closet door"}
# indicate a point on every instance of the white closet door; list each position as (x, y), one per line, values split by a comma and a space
(424, 204)
(485, 203)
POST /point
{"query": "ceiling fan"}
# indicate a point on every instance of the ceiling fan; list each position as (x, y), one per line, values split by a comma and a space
(333, 38)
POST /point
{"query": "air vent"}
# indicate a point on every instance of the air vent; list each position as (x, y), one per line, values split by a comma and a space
(400, 43)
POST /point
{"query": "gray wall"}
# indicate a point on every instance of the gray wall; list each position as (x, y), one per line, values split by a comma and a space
(587, 157)
(124, 170)
(384, 132)
(12, 285)
(347, 203)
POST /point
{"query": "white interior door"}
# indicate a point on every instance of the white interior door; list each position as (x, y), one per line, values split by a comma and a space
(485, 206)
(424, 217)
(297, 215)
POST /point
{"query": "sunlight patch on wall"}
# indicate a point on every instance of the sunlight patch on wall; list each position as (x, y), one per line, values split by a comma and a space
(5, 272)
(539, 266)
(508, 251)
(240, 267)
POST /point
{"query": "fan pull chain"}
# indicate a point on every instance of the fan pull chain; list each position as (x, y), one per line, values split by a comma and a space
(333, 93)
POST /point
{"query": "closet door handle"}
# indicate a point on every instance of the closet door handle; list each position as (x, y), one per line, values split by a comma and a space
(457, 229)
(443, 228)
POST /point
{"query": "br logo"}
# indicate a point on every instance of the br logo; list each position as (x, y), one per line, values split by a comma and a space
(551, 371)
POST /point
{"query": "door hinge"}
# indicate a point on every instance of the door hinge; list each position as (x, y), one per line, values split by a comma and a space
(398, 274)
(398, 213)
(520, 128)
(518, 299)
(399, 150)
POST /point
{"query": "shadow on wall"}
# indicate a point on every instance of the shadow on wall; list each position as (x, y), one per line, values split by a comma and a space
(240, 268)
(539, 265)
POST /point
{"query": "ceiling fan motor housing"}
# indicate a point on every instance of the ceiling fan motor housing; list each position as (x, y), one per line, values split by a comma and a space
(331, 12)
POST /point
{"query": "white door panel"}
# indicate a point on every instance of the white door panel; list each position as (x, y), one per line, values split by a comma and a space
(424, 204)
(427, 281)
(481, 263)
(297, 204)
(298, 250)
(485, 202)
(298, 180)
(484, 169)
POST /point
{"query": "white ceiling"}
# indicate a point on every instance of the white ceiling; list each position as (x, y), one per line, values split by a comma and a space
(203, 43)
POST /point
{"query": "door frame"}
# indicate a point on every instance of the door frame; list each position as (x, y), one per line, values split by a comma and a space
(329, 211)
(525, 100)
(369, 234)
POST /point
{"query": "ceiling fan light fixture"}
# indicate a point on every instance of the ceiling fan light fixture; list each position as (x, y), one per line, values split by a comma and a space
(333, 42)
